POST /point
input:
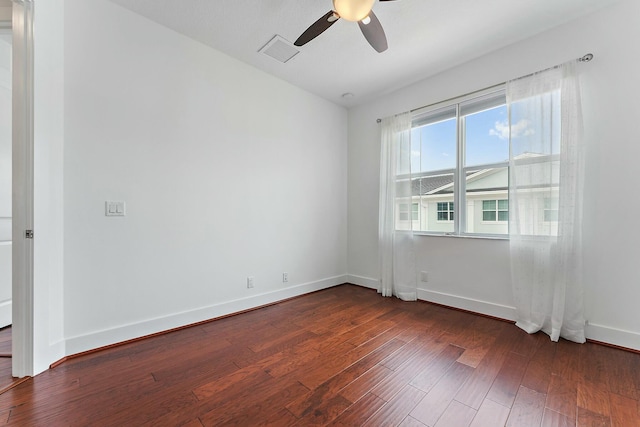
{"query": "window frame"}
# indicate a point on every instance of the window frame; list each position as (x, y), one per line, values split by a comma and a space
(409, 211)
(450, 211)
(421, 118)
(551, 201)
(496, 210)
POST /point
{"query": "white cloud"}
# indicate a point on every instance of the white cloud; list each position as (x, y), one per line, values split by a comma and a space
(445, 154)
(522, 128)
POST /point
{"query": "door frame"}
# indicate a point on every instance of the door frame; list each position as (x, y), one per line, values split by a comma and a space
(23, 189)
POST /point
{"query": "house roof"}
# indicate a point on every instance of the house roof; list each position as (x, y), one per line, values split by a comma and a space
(443, 184)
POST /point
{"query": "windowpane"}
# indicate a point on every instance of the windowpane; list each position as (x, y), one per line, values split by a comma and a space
(535, 126)
(488, 205)
(489, 216)
(487, 137)
(433, 141)
(486, 200)
(403, 214)
(551, 215)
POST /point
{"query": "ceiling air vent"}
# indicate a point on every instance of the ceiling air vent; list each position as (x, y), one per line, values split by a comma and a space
(279, 49)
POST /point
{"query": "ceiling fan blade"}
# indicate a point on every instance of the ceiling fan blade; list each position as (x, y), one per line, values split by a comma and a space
(373, 32)
(317, 28)
(386, 0)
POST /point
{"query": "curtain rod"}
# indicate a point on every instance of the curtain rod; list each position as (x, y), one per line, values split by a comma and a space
(586, 58)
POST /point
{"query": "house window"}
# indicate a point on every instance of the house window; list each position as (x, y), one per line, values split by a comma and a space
(495, 210)
(445, 211)
(404, 212)
(459, 157)
(550, 209)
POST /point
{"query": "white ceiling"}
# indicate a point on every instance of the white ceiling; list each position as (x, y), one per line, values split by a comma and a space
(425, 36)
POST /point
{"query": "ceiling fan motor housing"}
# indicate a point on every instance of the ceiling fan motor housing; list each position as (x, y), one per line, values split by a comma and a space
(353, 10)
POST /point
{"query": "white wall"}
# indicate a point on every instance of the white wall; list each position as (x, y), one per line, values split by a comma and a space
(226, 172)
(474, 273)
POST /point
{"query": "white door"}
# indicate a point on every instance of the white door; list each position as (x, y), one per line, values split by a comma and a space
(5, 178)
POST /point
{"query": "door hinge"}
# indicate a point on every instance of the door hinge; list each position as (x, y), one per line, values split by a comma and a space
(28, 234)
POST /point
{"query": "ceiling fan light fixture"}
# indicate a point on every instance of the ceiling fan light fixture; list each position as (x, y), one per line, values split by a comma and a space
(353, 10)
(366, 20)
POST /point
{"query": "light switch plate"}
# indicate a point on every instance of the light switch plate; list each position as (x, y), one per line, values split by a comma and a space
(114, 208)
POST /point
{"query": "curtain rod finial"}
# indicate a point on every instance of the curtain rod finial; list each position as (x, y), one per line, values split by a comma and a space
(588, 57)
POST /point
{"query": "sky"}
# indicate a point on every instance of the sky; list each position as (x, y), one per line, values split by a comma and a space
(433, 147)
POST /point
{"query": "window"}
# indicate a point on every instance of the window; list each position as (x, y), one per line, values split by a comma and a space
(404, 212)
(459, 157)
(550, 209)
(445, 211)
(463, 154)
(495, 210)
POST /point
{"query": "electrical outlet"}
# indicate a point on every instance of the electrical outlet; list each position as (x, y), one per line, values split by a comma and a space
(424, 276)
(249, 282)
(285, 277)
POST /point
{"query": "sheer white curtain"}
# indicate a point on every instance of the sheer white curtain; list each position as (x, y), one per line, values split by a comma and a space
(396, 251)
(545, 199)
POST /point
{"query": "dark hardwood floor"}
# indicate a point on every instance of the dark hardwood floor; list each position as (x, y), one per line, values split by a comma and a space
(6, 380)
(342, 357)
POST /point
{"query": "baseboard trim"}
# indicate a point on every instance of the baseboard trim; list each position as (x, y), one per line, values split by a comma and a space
(486, 308)
(16, 382)
(614, 337)
(89, 343)
(366, 282)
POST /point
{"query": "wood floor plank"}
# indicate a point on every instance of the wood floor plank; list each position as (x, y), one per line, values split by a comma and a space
(396, 409)
(331, 388)
(456, 415)
(490, 414)
(325, 412)
(436, 368)
(366, 382)
(429, 410)
(624, 411)
(395, 382)
(340, 356)
(338, 362)
(587, 418)
(412, 348)
(594, 397)
(507, 382)
(477, 339)
(409, 421)
(481, 380)
(623, 371)
(552, 418)
(538, 376)
(562, 396)
(528, 408)
(358, 413)
(263, 406)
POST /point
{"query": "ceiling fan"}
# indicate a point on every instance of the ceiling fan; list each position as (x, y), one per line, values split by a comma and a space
(352, 10)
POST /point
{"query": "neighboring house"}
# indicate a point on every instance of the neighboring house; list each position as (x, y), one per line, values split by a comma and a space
(487, 203)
